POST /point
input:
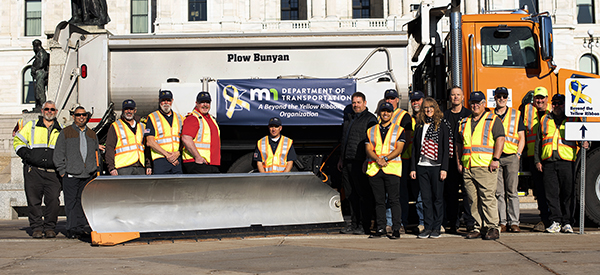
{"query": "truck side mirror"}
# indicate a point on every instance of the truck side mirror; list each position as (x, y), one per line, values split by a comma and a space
(546, 39)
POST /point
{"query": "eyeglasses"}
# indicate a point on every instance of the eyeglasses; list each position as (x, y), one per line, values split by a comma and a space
(504, 96)
(558, 103)
(128, 109)
(390, 98)
(476, 102)
(80, 114)
(49, 109)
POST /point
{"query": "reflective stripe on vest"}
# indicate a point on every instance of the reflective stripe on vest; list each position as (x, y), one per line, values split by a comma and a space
(478, 146)
(129, 148)
(384, 148)
(167, 136)
(531, 121)
(511, 130)
(553, 139)
(274, 163)
(202, 138)
(37, 136)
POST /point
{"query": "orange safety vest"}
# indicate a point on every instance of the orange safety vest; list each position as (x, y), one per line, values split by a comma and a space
(129, 148)
(383, 148)
(531, 121)
(202, 138)
(554, 139)
(511, 131)
(274, 162)
(167, 136)
(478, 146)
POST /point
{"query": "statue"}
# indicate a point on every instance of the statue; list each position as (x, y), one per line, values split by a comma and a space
(89, 12)
(39, 72)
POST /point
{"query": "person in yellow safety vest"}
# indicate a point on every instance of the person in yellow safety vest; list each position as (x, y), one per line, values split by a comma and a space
(507, 192)
(202, 139)
(162, 135)
(532, 112)
(18, 126)
(34, 143)
(403, 119)
(125, 144)
(480, 143)
(384, 168)
(555, 158)
(274, 153)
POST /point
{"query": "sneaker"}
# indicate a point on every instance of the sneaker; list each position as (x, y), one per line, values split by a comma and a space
(442, 229)
(388, 229)
(567, 229)
(420, 228)
(395, 235)
(554, 228)
(378, 234)
(434, 234)
(425, 234)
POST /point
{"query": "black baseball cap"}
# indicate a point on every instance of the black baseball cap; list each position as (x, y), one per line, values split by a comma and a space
(386, 106)
(501, 90)
(203, 96)
(476, 96)
(165, 94)
(390, 93)
(416, 95)
(275, 121)
(128, 104)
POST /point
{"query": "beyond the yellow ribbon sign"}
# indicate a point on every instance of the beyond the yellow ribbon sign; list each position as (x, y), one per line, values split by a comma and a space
(234, 100)
(578, 94)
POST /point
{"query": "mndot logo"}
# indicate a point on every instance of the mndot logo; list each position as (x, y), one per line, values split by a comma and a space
(576, 88)
(233, 101)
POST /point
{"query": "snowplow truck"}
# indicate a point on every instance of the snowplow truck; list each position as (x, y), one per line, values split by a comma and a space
(506, 48)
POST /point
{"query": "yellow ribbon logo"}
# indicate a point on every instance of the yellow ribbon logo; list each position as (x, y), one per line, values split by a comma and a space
(578, 94)
(234, 101)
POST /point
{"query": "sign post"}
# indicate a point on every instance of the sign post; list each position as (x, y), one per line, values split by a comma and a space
(579, 102)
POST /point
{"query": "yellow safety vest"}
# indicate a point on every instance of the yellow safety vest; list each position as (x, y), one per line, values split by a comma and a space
(33, 137)
(511, 131)
(129, 148)
(274, 163)
(531, 121)
(384, 148)
(478, 146)
(167, 136)
(554, 139)
(202, 138)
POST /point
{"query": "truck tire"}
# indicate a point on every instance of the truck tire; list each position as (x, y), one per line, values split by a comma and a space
(242, 165)
(592, 187)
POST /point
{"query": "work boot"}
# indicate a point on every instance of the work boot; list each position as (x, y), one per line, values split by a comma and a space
(37, 234)
(492, 234)
(50, 234)
(539, 227)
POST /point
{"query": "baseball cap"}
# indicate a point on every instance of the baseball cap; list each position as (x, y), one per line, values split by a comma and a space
(476, 96)
(540, 91)
(275, 121)
(165, 94)
(386, 106)
(203, 96)
(500, 90)
(128, 103)
(416, 95)
(558, 97)
(390, 93)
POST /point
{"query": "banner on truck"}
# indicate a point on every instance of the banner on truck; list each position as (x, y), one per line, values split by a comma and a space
(295, 101)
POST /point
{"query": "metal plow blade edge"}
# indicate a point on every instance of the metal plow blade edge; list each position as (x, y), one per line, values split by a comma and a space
(119, 208)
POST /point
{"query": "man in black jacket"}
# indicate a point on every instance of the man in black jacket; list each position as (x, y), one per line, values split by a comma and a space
(351, 163)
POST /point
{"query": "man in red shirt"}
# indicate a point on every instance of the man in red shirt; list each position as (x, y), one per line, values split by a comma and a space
(201, 139)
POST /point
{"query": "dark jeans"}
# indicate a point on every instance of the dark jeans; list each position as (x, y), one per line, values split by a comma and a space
(163, 166)
(358, 192)
(131, 170)
(382, 184)
(558, 181)
(40, 184)
(432, 193)
(539, 191)
(72, 189)
(195, 168)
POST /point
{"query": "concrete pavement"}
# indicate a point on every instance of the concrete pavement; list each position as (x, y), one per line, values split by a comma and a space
(513, 253)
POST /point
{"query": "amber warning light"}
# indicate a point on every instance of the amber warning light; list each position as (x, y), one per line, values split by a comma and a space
(83, 71)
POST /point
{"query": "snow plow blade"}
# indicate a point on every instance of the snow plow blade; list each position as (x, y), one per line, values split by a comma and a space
(119, 208)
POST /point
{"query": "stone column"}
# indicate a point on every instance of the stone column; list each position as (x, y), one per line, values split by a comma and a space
(330, 8)
(318, 9)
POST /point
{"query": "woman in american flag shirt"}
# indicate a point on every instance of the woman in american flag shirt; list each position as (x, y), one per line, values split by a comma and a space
(430, 154)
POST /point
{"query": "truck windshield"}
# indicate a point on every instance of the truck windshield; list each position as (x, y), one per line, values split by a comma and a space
(508, 47)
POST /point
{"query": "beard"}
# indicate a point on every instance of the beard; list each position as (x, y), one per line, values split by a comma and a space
(128, 117)
(49, 117)
(165, 108)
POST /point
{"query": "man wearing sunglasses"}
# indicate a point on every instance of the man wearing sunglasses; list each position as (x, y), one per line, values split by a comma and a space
(76, 156)
(125, 144)
(507, 192)
(34, 143)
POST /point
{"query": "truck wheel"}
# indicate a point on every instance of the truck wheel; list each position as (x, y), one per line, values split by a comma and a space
(592, 187)
(242, 165)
